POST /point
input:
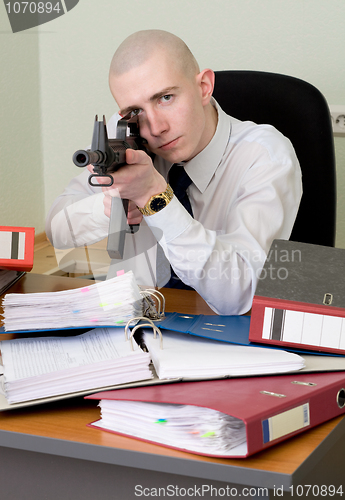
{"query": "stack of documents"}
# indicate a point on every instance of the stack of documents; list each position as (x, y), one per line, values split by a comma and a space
(230, 418)
(41, 367)
(36, 368)
(184, 356)
(107, 303)
(197, 429)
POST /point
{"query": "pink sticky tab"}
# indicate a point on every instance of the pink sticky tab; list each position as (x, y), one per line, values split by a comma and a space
(119, 273)
(84, 290)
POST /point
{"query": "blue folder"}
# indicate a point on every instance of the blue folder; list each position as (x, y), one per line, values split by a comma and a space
(234, 329)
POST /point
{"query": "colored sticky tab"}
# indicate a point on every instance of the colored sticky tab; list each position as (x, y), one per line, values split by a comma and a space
(119, 273)
(17, 248)
(161, 421)
(85, 289)
(208, 434)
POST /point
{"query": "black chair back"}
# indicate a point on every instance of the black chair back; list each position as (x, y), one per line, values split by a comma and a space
(298, 110)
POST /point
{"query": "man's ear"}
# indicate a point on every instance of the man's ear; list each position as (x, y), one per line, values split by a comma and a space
(205, 80)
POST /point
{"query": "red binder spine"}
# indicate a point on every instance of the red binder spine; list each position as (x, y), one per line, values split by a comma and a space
(297, 324)
(319, 404)
(17, 248)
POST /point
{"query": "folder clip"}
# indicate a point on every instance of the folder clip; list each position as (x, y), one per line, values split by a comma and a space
(153, 311)
(149, 323)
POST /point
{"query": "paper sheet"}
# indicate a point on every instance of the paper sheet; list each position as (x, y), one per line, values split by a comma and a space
(42, 367)
(110, 302)
(30, 357)
(184, 355)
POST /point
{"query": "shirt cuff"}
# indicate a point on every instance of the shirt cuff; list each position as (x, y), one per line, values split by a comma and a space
(173, 220)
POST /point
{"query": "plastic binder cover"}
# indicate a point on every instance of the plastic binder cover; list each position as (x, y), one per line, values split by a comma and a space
(272, 408)
(300, 298)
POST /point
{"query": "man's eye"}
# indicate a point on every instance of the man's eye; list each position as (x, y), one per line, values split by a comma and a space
(166, 98)
(135, 112)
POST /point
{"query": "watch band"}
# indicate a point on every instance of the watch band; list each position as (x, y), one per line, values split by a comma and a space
(157, 202)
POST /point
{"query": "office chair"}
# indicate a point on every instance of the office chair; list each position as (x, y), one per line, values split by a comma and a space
(300, 112)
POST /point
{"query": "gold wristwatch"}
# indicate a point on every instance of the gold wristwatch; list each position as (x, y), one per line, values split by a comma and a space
(157, 202)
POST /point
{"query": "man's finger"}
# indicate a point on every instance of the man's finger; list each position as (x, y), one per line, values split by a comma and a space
(136, 156)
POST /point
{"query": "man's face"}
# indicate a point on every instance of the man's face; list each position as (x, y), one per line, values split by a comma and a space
(170, 106)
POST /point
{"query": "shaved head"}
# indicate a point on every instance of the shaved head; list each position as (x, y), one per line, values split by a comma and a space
(154, 75)
(140, 46)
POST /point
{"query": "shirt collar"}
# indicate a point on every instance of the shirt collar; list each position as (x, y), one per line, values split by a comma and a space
(202, 167)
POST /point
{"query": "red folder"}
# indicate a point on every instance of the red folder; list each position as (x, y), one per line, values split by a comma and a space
(17, 248)
(300, 298)
(273, 408)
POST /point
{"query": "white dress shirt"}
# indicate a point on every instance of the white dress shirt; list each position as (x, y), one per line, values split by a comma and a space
(245, 192)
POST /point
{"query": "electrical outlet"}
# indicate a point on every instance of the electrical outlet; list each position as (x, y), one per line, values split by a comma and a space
(338, 118)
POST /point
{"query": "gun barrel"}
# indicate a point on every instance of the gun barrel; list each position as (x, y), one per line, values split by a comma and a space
(82, 157)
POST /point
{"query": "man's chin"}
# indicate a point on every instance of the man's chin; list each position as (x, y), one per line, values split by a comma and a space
(172, 156)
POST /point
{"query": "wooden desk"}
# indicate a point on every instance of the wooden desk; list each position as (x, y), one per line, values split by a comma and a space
(48, 452)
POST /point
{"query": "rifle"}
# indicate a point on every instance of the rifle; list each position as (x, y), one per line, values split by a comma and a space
(107, 156)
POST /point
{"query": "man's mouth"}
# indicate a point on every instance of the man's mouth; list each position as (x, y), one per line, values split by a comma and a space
(169, 145)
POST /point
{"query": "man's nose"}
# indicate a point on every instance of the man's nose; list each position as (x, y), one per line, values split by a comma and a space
(157, 124)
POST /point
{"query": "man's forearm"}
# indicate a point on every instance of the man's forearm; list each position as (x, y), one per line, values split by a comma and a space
(77, 221)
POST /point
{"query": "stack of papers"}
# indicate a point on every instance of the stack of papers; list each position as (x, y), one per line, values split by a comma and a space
(42, 367)
(108, 303)
(192, 428)
(182, 356)
(272, 408)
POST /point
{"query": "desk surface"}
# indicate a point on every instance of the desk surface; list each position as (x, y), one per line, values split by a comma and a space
(36, 428)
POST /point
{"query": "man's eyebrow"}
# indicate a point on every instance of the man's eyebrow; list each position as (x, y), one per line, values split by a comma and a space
(157, 95)
(162, 93)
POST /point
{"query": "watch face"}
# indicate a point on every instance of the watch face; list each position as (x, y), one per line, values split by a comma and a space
(158, 204)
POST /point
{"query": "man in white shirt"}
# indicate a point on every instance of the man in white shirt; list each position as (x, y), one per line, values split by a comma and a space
(245, 180)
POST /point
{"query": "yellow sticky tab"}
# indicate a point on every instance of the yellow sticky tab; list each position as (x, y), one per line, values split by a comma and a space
(208, 434)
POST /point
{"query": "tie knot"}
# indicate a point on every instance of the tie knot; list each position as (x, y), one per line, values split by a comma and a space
(179, 180)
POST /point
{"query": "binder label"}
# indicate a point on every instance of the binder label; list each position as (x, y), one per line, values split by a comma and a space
(285, 423)
(298, 327)
(12, 245)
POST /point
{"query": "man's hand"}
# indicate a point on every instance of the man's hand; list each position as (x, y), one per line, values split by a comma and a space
(137, 181)
(133, 215)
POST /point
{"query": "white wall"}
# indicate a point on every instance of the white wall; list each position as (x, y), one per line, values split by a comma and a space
(303, 38)
(21, 173)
